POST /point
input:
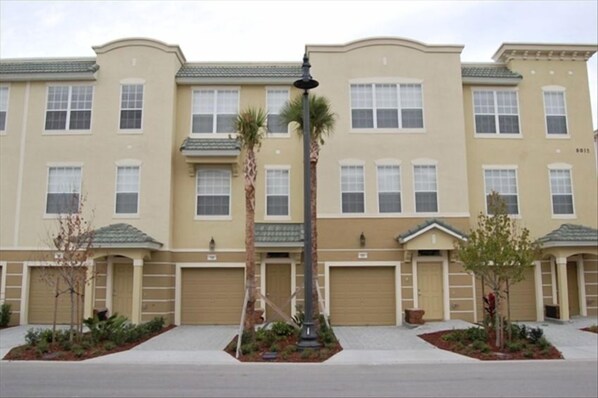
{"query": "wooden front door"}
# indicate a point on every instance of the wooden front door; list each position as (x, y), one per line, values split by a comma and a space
(278, 290)
(573, 288)
(122, 290)
(429, 284)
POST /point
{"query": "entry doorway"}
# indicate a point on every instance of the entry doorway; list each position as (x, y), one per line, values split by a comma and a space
(573, 288)
(122, 290)
(429, 290)
(278, 290)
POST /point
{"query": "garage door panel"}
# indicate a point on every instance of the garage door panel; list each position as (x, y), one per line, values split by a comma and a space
(362, 296)
(212, 296)
(523, 298)
(41, 299)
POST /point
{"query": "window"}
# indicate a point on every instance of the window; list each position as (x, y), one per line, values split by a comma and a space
(3, 107)
(352, 189)
(64, 190)
(426, 195)
(276, 98)
(131, 106)
(556, 114)
(127, 190)
(213, 192)
(69, 108)
(389, 189)
(496, 112)
(378, 106)
(503, 182)
(214, 111)
(277, 192)
(560, 190)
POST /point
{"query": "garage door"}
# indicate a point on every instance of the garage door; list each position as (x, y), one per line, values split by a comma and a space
(362, 296)
(41, 298)
(523, 298)
(212, 296)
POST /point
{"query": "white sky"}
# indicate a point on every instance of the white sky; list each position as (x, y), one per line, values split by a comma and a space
(278, 30)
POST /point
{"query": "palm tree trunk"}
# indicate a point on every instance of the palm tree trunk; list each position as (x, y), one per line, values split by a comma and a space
(250, 176)
(314, 157)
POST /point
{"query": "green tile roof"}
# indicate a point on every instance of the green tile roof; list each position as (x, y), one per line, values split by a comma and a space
(279, 233)
(571, 233)
(433, 221)
(239, 71)
(47, 66)
(210, 144)
(489, 71)
(123, 235)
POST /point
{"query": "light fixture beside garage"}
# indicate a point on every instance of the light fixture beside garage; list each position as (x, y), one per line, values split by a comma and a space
(362, 240)
(212, 244)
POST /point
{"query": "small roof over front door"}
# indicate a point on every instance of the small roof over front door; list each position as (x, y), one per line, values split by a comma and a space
(432, 234)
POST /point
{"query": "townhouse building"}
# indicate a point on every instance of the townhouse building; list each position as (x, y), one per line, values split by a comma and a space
(145, 139)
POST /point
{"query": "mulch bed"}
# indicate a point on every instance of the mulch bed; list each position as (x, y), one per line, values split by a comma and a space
(316, 355)
(591, 329)
(495, 353)
(56, 353)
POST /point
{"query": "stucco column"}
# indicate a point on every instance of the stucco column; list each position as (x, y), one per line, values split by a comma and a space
(563, 290)
(90, 285)
(539, 291)
(445, 287)
(137, 290)
(581, 283)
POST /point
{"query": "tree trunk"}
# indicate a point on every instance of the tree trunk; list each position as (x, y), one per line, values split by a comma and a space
(497, 317)
(250, 176)
(314, 243)
(71, 330)
(55, 315)
(509, 331)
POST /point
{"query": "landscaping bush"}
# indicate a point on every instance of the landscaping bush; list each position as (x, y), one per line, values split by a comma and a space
(282, 329)
(535, 334)
(4, 315)
(476, 334)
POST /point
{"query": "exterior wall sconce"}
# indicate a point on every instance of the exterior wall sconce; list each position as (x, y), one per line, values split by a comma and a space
(212, 244)
(362, 240)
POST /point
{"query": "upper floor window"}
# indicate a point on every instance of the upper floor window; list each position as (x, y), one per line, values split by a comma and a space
(213, 192)
(426, 191)
(561, 192)
(64, 190)
(352, 189)
(127, 190)
(3, 107)
(277, 192)
(389, 189)
(503, 182)
(131, 106)
(556, 113)
(496, 112)
(214, 111)
(379, 106)
(275, 100)
(69, 108)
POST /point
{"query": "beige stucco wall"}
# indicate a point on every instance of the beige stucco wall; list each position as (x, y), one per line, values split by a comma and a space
(533, 151)
(441, 140)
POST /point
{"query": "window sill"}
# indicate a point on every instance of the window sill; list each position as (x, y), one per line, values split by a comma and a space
(213, 218)
(278, 135)
(130, 132)
(558, 136)
(387, 131)
(277, 218)
(124, 216)
(564, 216)
(66, 132)
(223, 136)
(499, 136)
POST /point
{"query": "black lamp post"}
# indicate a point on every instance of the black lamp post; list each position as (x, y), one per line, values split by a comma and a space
(308, 338)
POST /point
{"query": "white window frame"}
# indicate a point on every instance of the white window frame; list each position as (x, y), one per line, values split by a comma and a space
(513, 168)
(561, 167)
(61, 165)
(7, 88)
(352, 164)
(120, 165)
(222, 217)
(269, 89)
(131, 82)
(496, 114)
(68, 110)
(561, 90)
(388, 81)
(427, 163)
(378, 191)
(215, 90)
(277, 217)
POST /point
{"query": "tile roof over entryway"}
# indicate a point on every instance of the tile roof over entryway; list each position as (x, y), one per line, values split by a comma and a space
(281, 234)
(124, 236)
(426, 226)
(570, 235)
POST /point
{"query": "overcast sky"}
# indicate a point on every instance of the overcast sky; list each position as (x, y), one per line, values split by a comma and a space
(278, 30)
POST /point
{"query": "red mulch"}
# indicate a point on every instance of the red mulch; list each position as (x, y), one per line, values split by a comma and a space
(316, 355)
(495, 353)
(56, 353)
(591, 329)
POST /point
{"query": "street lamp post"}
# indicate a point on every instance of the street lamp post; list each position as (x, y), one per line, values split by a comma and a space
(308, 338)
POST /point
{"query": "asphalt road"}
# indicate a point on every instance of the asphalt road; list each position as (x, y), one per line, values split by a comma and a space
(486, 379)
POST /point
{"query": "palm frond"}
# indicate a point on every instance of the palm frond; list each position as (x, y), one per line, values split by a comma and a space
(250, 126)
(322, 119)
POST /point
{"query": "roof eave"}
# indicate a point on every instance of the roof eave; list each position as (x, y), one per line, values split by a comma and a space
(426, 229)
(210, 153)
(494, 81)
(236, 80)
(561, 243)
(279, 244)
(124, 245)
(49, 76)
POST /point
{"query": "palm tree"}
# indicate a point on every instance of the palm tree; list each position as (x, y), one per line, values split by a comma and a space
(249, 126)
(321, 124)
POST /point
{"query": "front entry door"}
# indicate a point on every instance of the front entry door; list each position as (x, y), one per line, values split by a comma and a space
(429, 284)
(122, 289)
(573, 288)
(278, 290)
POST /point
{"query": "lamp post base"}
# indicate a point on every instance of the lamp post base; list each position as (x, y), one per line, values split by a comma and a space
(308, 338)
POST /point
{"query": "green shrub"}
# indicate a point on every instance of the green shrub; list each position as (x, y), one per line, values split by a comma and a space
(480, 345)
(282, 329)
(289, 349)
(42, 347)
(107, 329)
(66, 345)
(299, 317)
(327, 337)
(307, 353)
(543, 344)
(535, 334)
(455, 336)
(78, 350)
(247, 337)
(35, 336)
(514, 346)
(109, 345)
(476, 334)
(274, 348)
(528, 354)
(324, 353)
(248, 348)
(5, 314)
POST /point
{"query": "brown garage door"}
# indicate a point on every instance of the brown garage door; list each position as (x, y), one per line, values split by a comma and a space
(362, 296)
(523, 298)
(41, 298)
(212, 296)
